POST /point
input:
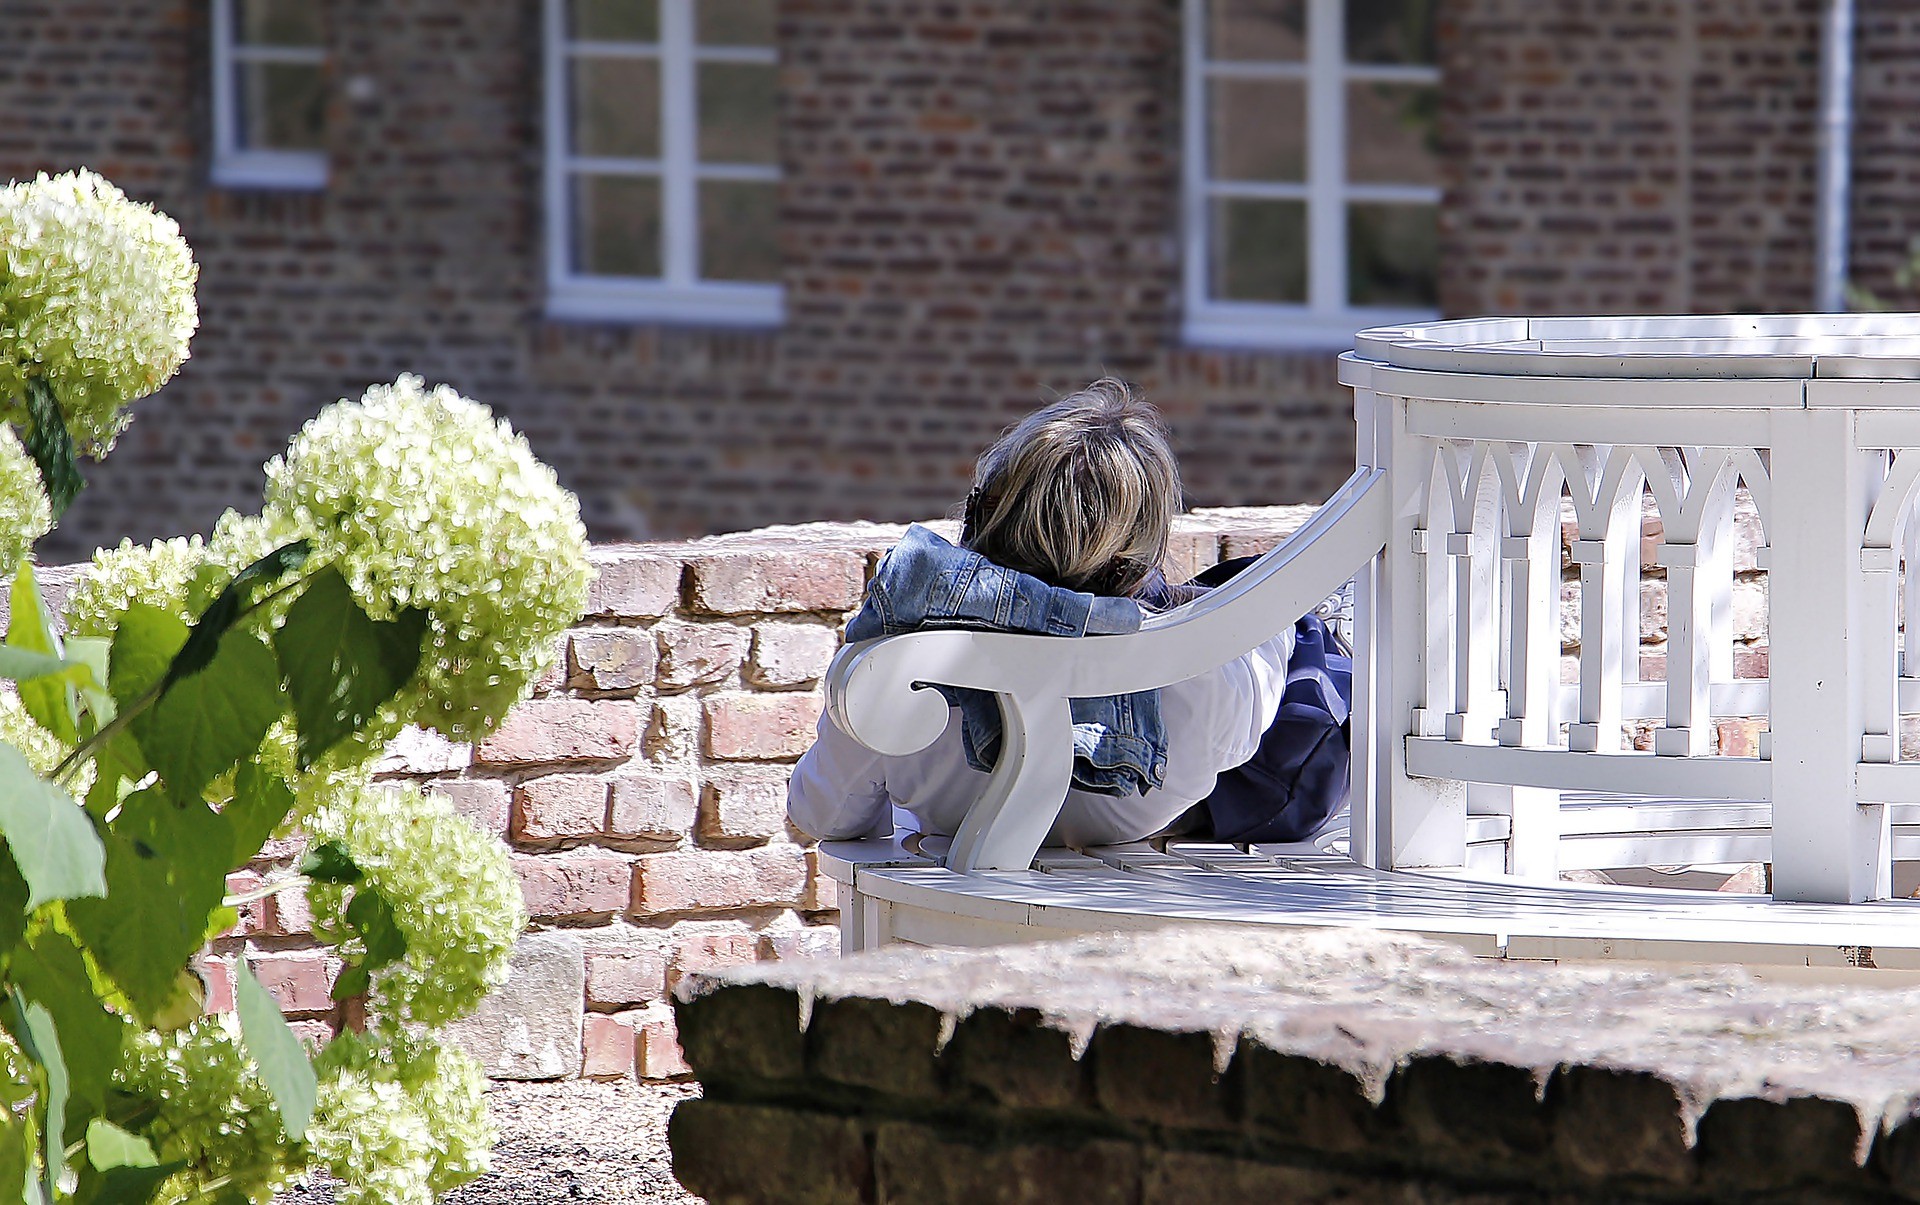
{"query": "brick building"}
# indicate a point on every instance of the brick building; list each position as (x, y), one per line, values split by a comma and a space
(737, 262)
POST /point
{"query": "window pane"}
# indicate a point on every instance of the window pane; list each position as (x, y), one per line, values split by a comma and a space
(736, 113)
(1392, 255)
(282, 106)
(1390, 31)
(1259, 130)
(277, 22)
(616, 225)
(739, 225)
(1267, 30)
(616, 107)
(1259, 250)
(733, 22)
(1390, 133)
(615, 20)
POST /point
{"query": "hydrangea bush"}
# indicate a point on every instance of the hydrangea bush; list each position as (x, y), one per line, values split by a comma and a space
(413, 563)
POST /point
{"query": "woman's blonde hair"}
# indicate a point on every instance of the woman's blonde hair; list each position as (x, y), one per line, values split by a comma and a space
(1081, 493)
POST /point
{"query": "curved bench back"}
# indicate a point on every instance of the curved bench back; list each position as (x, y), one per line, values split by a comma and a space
(877, 690)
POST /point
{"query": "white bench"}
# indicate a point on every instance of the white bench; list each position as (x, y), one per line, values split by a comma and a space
(1479, 776)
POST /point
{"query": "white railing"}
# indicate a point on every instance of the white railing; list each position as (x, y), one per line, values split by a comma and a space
(1485, 430)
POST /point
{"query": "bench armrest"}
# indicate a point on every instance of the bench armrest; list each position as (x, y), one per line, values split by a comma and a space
(876, 689)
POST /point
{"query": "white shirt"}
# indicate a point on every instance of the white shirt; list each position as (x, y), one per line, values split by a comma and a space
(842, 789)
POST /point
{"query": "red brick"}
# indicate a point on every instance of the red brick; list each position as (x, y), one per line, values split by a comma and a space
(485, 801)
(633, 585)
(704, 947)
(633, 975)
(808, 941)
(710, 880)
(797, 579)
(298, 983)
(652, 807)
(611, 659)
(749, 727)
(1740, 737)
(217, 974)
(743, 804)
(559, 885)
(548, 731)
(253, 913)
(786, 655)
(560, 805)
(288, 913)
(696, 653)
(657, 1044)
(607, 1047)
(313, 1033)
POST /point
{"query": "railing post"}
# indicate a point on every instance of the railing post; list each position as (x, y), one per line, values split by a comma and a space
(1826, 846)
(1416, 821)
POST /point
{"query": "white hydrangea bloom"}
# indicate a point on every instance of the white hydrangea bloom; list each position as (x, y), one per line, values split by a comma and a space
(96, 298)
(422, 499)
(175, 575)
(451, 885)
(25, 514)
(401, 1119)
(211, 1110)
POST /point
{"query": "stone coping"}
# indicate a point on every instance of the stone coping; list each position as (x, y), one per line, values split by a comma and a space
(1354, 1051)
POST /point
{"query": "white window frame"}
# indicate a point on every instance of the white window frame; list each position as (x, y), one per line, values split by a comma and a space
(236, 166)
(678, 295)
(1326, 320)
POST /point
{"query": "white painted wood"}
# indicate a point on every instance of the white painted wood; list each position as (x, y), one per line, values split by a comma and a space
(1826, 845)
(1564, 769)
(233, 163)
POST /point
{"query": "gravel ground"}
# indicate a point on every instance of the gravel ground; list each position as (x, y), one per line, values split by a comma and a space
(570, 1141)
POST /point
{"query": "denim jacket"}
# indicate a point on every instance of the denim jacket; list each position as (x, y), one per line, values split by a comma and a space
(1119, 745)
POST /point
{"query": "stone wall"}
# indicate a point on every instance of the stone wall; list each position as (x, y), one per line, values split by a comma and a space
(1225, 1065)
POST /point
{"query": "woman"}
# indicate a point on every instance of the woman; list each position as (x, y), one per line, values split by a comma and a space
(1068, 519)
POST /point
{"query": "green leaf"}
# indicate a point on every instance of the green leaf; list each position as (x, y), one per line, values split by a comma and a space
(203, 724)
(339, 664)
(187, 1004)
(225, 610)
(123, 1185)
(261, 801)
(51, 446)
(13, 905)
(382, 942)
(166, 873)
(51, 971)
(33, 1028)
(92, 652)
(109, 1146)
(23, 665)
(50, 837)
(329, 862)
(144, 644)
(284, 1067)
(51, 701)
(16, 1161)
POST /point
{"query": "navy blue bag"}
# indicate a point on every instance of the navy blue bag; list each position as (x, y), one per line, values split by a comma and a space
(1299, 775)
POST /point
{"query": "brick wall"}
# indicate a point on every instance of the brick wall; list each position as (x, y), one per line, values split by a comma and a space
(643, 793)
(979, 211)
(1639, 158)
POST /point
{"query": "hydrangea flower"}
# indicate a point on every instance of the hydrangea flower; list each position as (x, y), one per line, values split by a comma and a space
(452, 888)
(25, 514)
(211, 1110)
(422, 499)
(401, 1119)
(96, 298)
(175, 575)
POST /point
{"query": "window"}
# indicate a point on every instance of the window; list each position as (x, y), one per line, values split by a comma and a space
(269, 94)
(662, 180)
(1312, 184)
